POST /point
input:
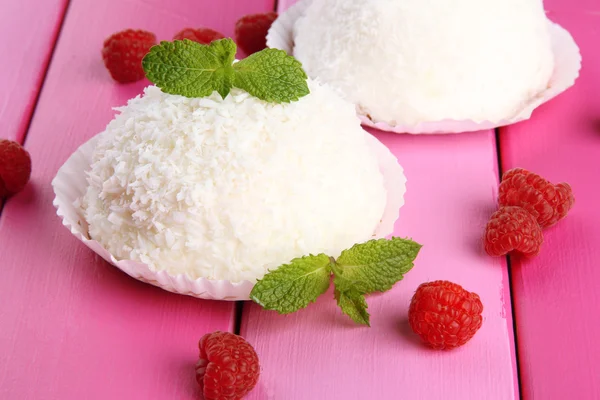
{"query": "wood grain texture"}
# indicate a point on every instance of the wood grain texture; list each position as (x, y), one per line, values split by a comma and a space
(71, 326)
(557, 301)
(28, 30)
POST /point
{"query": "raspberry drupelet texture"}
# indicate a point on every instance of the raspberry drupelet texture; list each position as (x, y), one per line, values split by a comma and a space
(123, 53)
(547, 202)
(228, 367)
(200, 35)
(251, 31)
(512, 229)
(15, 167)
(444, 314)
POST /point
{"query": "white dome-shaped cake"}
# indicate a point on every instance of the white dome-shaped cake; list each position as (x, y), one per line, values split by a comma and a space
(229, 188)
(404, 62)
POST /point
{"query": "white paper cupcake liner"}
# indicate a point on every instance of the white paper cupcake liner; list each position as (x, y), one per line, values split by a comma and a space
(70, 184)
(567, 61)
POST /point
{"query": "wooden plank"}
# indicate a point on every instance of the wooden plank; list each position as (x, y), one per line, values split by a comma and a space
(452, 186)
(73, 327)
(557, 301)
(317, 353)
(28, 30)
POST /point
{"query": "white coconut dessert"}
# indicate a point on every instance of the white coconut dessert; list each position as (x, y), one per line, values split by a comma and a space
(227, 189)
(405, 62)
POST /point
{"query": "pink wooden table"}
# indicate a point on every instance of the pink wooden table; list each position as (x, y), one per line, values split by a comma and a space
(73, 327)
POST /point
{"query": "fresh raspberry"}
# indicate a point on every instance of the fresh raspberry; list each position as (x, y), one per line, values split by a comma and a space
(228, 368)
(444, 314)
(251, 31)
(512, 229)
(123, 53)
(548, 203)
(15, 167)
(200, 35)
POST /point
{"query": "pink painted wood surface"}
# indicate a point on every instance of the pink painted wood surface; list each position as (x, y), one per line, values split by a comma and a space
(28, 29)
(71, 326)
(557, 297)
(317, 353)
(582, 7)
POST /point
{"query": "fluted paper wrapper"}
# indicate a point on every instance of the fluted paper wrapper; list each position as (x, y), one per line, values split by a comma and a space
(567, 63)
(70, 184)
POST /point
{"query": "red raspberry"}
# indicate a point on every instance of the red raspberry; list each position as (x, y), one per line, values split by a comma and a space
(444, 314)
(15, 167)
(548, 203)
(228, 368)
(251, 31)
(123, 53)
(512, 229)
(200, 35)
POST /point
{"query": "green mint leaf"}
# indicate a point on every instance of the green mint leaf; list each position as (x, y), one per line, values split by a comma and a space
(354, 305)
(191, 69)
(375, 266)
(293, 286)
(271, 75)
(344, 284)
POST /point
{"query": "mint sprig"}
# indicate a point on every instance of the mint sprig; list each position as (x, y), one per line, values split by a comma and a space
(192, 69)
(373, 266)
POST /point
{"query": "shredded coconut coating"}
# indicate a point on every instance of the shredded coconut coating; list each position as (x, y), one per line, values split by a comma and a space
(227, 189)
(410, 61)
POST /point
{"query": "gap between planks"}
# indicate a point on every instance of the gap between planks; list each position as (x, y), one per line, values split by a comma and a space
(46, 67)
(516, 359)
